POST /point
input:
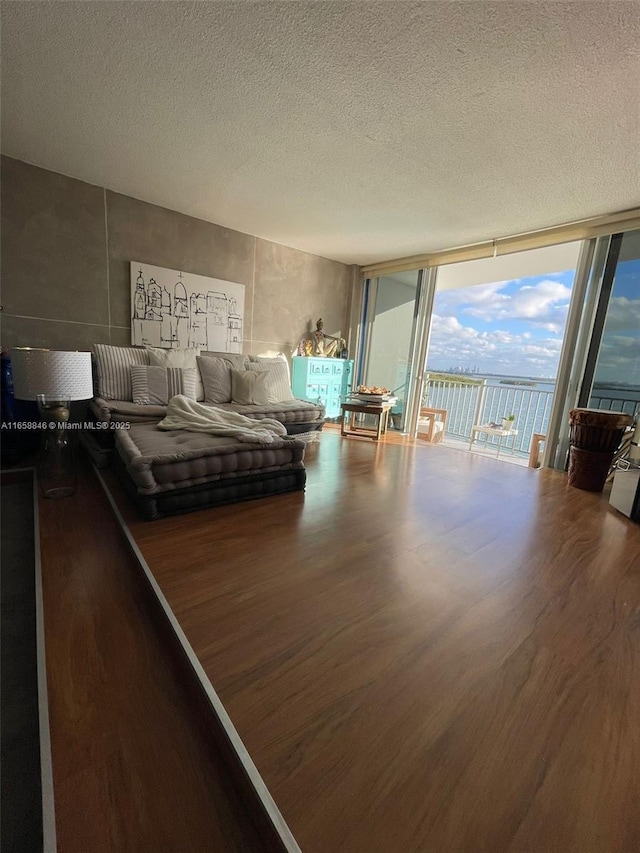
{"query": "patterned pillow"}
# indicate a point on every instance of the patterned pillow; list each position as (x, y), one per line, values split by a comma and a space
(278, 382)
(248, 387)
(153, 385)
(114, 370)
(216, 378)
(163, 357)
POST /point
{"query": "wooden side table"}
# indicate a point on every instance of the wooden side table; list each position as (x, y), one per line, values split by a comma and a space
(380, 410)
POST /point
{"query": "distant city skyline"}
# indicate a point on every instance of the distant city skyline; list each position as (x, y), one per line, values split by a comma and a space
(510, 328)
(516, 327)
(463, 369)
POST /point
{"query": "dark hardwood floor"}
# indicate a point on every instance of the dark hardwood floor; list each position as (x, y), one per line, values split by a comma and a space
(426, 651)
(136, 763)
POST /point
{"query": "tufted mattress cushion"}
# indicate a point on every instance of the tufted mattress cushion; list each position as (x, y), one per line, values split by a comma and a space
(118, 411)
(287, 412)
(160, 461)
(290, 412)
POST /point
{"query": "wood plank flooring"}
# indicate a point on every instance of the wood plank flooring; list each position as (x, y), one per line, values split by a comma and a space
(425, 651)
(135, 766)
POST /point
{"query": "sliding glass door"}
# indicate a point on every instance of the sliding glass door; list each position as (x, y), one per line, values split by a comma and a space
(599, 351)
(601, 367)
(612, 375)
(498, 330)
(391, 321)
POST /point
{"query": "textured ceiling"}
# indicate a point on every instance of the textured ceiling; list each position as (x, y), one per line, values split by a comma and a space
(359, 131)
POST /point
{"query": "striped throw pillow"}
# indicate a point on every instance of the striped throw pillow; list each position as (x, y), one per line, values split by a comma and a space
(184, 358)
(154, 385)
(114, 370)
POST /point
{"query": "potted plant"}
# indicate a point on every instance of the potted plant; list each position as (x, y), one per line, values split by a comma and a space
(508, 421)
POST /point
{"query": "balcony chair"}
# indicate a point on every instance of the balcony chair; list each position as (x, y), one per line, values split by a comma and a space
(432, 424)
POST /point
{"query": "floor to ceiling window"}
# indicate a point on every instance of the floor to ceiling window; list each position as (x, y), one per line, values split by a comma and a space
(495, 343)
(489, 320)
(612, 378)
(391, 323)
(512, 317)
(601, 368)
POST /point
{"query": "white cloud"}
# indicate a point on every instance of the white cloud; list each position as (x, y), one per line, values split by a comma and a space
(480, 294)
(623, 315)
(624, 342)
(454, 344)
(543, 305)
(530, 317)
(619, 359)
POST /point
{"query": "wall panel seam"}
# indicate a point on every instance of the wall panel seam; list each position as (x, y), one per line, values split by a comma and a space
(253, 285)
(106, 250)
(56, 320)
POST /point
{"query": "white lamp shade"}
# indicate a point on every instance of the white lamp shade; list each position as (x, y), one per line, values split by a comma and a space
(59, 375)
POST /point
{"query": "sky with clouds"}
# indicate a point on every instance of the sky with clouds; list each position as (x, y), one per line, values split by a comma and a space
(619, 359)
(515, 328)
(511, 328)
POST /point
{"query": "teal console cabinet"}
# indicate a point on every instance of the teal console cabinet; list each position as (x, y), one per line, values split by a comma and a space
(327, 380)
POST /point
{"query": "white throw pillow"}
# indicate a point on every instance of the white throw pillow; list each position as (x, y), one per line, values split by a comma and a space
(270, 359)
(278, 384)
(183, 358)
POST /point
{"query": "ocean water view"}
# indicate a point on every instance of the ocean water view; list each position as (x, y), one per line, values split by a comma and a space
(488, 398)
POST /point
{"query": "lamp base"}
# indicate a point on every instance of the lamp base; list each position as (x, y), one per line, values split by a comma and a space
(56, 492)
(56, 463)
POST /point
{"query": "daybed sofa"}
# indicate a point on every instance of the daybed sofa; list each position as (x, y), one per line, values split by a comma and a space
(116, 400)
(177, 470)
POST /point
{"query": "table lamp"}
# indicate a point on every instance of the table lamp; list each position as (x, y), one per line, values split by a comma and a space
(53, 379)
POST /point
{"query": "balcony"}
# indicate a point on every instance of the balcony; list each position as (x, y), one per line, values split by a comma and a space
(478, 402)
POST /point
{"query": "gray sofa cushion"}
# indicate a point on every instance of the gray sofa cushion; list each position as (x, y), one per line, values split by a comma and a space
(114, 411)
(216, 378)
(236, 359)
(249, 387)
(289, 413)
(159, 461)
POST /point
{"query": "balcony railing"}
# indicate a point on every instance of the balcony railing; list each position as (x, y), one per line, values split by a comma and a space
(479, 403)
(630, 405)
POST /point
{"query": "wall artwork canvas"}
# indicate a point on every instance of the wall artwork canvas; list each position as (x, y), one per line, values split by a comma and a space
(180, 310)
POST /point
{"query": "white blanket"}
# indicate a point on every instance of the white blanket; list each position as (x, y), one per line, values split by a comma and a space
(183, 413)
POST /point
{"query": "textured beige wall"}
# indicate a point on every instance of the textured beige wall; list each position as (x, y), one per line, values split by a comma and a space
(66, 248)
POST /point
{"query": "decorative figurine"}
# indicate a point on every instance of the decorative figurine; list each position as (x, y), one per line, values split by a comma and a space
(320, 345)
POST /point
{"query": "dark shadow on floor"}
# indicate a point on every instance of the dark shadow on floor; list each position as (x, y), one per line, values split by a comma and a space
(21, 791)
